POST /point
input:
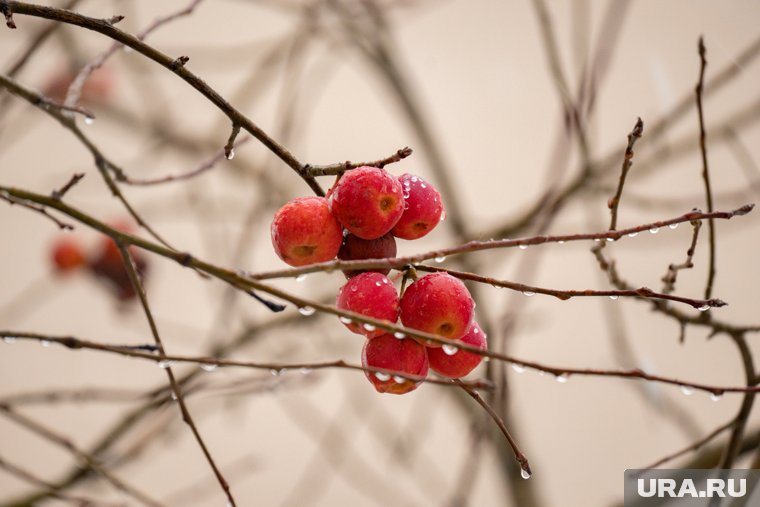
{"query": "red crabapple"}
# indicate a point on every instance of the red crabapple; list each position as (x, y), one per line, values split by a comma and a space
(389, 353)
(368, 202)
(355, 248)
(423, 208)
(439, 304)
(452, 363)
(304, 231)
(372, 295)
(67, 255)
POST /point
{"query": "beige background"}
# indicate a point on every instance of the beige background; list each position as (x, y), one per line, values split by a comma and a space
(480, 74)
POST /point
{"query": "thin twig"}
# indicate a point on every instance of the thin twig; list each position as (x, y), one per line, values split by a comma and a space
(614, 202)
(39, 209)
(705, 172)
(58, 194)
(519, 456)
(205, 166)
(669, 280)
(134, 277)
(694, 446)
(211, 363)
(564, 295)
(335, 169)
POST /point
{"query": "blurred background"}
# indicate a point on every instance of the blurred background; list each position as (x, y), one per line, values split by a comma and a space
(476, 90)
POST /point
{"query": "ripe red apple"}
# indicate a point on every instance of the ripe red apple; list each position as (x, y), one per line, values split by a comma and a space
(439, 304)
(370, 294)
(355, 248)
(304, 231)
(404, 356)
(67, 255)
(422, 211)
(108, 266)
(454, 363)
(368, 202)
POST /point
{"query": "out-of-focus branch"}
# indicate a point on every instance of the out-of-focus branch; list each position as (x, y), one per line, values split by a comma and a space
(53, 436)
(134, 277)
(614, 202)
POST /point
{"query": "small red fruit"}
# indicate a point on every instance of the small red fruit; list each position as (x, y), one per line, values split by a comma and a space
(372, 295)
(368, 202)
(67, 255)
(355, 248)
(439, 304)
(304, 231)
(453, 363)
(423, 208)
(389, 353)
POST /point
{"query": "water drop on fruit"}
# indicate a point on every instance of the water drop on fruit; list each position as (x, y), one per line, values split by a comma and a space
(369, 327)
(399, 380)
(449, 350)
(382, 377)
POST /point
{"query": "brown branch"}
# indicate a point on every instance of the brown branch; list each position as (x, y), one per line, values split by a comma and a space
(91, 462)
(339, 168)
(58, 194)
(694, 446)
(614, 202)
(564, 295)
(519, 456)
(476, 246)
(134, 277)
(229, 148)
(669, 280)
(705, 172)
(557, 371)
(207, 363)
(107, 29)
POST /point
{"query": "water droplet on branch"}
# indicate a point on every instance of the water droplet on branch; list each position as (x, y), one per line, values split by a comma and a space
(525, 474)
(301, 277)
(306, 311)
(209, 367)
(382, 377)
(686, 390)
(518, 368)
(164, 364)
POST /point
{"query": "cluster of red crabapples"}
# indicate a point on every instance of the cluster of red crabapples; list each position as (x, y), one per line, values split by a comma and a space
(68, 255)
(360, 218)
